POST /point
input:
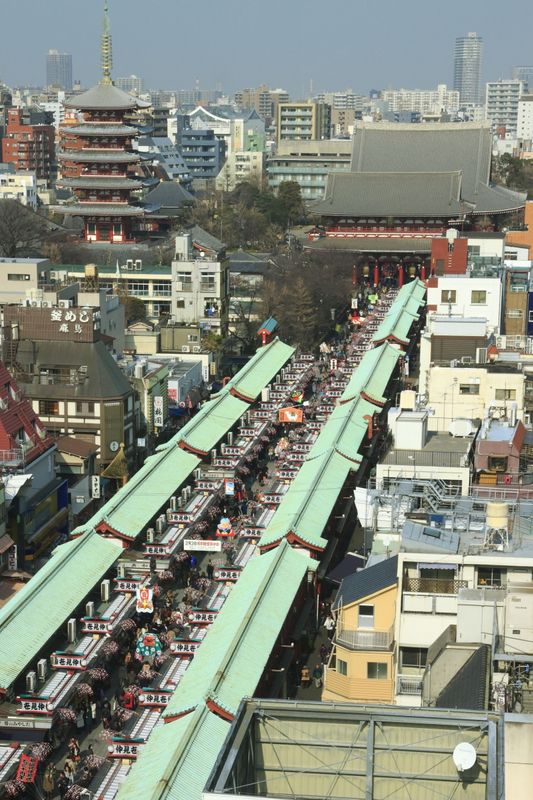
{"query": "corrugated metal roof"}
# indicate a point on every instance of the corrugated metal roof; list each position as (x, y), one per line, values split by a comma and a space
(306, 507)
(176, 761)
(373, 373)
(134, 505)
(229, 664)
(35, 613)
(261, 369)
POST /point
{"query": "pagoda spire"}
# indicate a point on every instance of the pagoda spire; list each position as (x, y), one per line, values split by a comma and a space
(106, 48)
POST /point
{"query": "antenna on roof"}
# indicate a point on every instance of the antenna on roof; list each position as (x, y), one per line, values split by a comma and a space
(106, 48)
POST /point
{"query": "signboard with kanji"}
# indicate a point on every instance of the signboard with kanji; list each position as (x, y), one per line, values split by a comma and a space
(179, 517)
(184, 648)
(152, 549)
(226, 574)
(124, 749)
(90, 625)
(68, 661)
(158, 412)
(157, 698)
(203, 545)
(207, 486)
(34, 706)
(27, 769)
(126, 584)
(202, 617)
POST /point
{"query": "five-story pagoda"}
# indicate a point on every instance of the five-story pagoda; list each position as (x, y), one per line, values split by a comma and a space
(97, 160)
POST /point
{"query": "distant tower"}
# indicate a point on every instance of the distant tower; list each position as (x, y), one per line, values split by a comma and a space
(467, 67)
(59, 70)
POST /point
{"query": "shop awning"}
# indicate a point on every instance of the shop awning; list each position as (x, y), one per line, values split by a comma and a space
(427, 565)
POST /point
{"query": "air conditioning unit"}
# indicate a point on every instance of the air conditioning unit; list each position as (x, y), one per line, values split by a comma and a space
(150, 535)
(72, 630)
(197, 474)
(160, 525)
(31, 682)
(185, 348)
(129, 263)
(183, 496)
(466, 359)
(173, 502)
(455, 362)
(64, 303)
(196, 348)
(138, 264)
(42, 669)
(36, 303)
(89, 609)
(105, 591)
(46, 304)
(188, 491)
(3, 403)
(121, 571)
(500, 342)
(230, 438)
(265, 394)
(222, 448)
(213, 454)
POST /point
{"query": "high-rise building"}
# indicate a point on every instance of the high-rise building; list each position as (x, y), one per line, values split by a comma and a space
(501, 104)
(467, 67)
(59, 70)
(306, 120)
(131, 84)
(524, 74)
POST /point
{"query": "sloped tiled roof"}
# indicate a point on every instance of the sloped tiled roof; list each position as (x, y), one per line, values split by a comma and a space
(367, 581)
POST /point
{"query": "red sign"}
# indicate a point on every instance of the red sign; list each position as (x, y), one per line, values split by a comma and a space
(27, 769)
(290, 415)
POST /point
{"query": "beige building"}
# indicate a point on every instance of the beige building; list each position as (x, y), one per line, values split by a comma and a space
(361, 666)
(241, 166)
(305, 120)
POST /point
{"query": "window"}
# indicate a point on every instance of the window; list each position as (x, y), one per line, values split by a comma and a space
(448, 296)
(377, 670)
(366, 616)
(139, 288)
(413, 657)
(531, 316)
(84, 409)
(13, 276)
(505, 394)
(185, 278)
(491, 576)
(478, 298)
(180, 303)
(49, 408)
(162, 288)
(342, 667)
(161, 308)
(469, 388)
(497, 463)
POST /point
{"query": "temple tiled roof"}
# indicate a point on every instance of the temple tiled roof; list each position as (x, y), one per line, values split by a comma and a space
(105, 96)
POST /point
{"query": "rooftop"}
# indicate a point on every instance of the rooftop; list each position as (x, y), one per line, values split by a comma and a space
(453, 450)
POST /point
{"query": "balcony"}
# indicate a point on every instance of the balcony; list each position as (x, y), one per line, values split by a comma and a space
(434, 585)
(409, 684)
(364, 639)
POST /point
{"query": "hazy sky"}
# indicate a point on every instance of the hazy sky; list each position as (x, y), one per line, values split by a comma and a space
(336, 44)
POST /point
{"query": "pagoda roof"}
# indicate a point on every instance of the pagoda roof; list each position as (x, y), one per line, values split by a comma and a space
(117, 156)
(93, 129)
(104, 182)
(105, 96)
(103, 210)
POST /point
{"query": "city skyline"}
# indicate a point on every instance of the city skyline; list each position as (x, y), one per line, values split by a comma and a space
(411, 49)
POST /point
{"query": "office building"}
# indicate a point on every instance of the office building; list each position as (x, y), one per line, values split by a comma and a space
(501, 105)
(308, 163)
(59, 70)
(467, 67)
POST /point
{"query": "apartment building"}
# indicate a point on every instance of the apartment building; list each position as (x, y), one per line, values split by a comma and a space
(29, 142)
(524, 125)
(19, 186)
(303, 121)
(241, 166)
(308, 163)
(501, 104)
(441, 100)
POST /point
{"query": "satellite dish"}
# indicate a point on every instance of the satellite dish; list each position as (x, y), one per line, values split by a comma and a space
(464, 756)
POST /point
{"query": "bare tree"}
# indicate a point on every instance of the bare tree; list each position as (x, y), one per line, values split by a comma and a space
(21, 230)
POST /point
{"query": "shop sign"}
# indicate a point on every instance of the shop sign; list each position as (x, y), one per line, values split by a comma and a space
(126, 584)
(207, 486)
(95, 487)
(68, 661)
(34, 707)
(155, 549)
(95, 625)
(179, 517)
(27, 769)
(222, 574)
(249, 533)
(184, 648)
(225, 462)
(229, 486)
(272, 499)
(262, 414)
(203, 545)
(202, 617)
(158, 412)
(232, 450)
(247, 432)
(12, 557)
(158, 698)
(127, 749)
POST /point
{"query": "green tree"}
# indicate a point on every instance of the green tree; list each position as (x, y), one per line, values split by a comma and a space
(290, 200)
(134, 308)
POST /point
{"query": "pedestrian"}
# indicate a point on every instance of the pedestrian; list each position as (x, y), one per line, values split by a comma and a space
(74, 749)
(70, 770)
(324, 652)
(318, 672)
(305, 677)
(80, 720)
(210, 570)
(329, 625)
(62, 784)
(49, 782)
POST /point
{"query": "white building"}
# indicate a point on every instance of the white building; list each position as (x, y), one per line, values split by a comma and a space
(461, 296)
(20, 186)
(501, 104)
(239, 130)
(441, 100)
(200, 280)
(240, 166)
(524, 129)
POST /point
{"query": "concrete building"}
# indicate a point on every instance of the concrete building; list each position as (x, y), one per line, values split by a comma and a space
(303, 121)
(441, 100)
(149, 379)
(524, 125)
(523, 73)
(308, 163)
(239, 130)
(263, 99)
(59, 70)
(501, 105)
(29, 144)
(468, 55)
(240, 166)
(131, 84)
(467, 297)
(202, 151)
(167, 162)
(200, 277)
(19, 186)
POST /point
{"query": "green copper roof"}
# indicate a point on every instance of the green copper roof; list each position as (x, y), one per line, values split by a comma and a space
(35, 613)
(231, 660)
(373, 373)
(261, 369)
(212, 422)
(306, 507)
(401, 315)
(345, 430)
(134, 505)
(177, 759)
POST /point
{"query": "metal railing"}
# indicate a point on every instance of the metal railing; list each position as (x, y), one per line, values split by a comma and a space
(409, 684)
(434, 585)
(362, 639)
